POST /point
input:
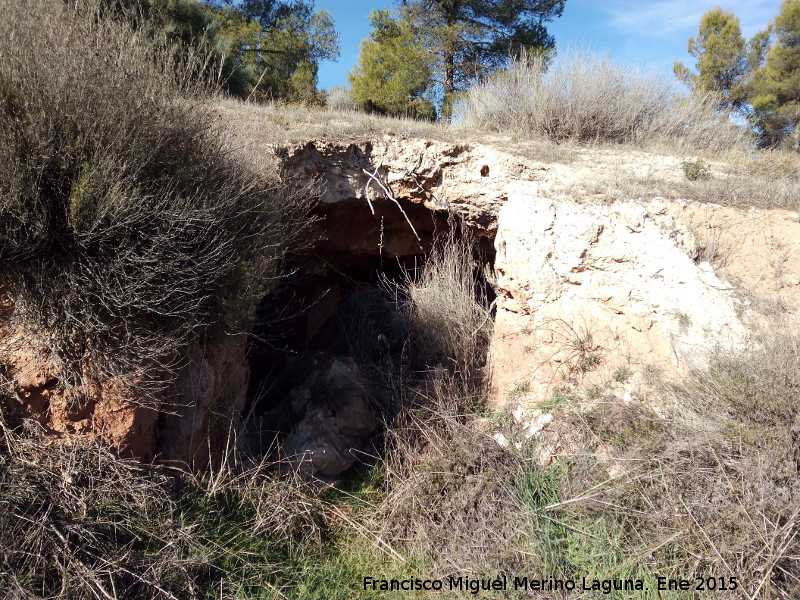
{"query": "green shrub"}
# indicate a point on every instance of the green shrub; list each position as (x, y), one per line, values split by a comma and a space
(126, 224)
(622, 374)
(695, 169)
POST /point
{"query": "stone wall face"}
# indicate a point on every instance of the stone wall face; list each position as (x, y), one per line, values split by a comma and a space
(586, 289)
(105, 409)
(583, 287)
(200, 422)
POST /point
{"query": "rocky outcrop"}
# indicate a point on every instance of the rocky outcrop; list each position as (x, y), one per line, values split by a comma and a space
(590, 289)
(201, 417)
(587, 289)
(106, 409)
(388, 196)
(441, 176)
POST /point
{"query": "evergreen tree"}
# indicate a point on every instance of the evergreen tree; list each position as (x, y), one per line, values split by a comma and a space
(775, 89)
(393, 70)
(285, 50)
(723, 59)
(260, 49)
(468, 39)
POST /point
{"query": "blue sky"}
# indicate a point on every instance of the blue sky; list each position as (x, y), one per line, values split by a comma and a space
(649, 33)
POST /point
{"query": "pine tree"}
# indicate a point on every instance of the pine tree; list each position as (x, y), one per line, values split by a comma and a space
(724, 59)
(469, 39)
(775, 89)
(393, 70)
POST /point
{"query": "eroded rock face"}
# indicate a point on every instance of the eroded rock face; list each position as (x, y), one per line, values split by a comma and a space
(332, 417)
(428, 179)
(188, 426)
(106, 409)
(584, 289)
(757, 250)
(470, 180)
(199, 423)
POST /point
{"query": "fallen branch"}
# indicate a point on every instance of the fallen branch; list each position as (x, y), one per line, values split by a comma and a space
(391, 197)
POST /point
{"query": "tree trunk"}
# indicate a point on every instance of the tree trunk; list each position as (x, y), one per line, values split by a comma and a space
(451, 19)
(449, 85)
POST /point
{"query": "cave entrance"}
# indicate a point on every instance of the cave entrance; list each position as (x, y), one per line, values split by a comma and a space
(327, 340)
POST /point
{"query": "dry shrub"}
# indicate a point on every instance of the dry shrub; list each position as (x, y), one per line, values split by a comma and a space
(126, 224)
(775, 164)
(585, 96)
(76, 521)
(445, 303)
(714, 489)
(340, 99)
(451, 489)
(70, 518)
(715, 243)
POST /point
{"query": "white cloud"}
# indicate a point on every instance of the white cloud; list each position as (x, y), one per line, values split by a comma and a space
(666, 18)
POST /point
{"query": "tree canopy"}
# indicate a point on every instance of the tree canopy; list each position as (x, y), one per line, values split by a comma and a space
(468, 39)
(775, 89)
(277, 46)
(262, 49)
(393, 70)
(759, 78)
(723, 60)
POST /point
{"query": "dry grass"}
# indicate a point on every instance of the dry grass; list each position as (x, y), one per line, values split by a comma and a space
(742, 179)
(586, 97)
(446, 306)
(763, 179)
(712, 488)
(76, 521)
(448, 488)
(451, 490)
(278, 123)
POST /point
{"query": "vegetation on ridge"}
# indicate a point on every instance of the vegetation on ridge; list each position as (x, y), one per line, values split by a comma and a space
(589, 98)
(127, 226)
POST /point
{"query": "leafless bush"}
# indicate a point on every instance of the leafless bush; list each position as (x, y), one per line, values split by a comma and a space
(339, 98)
(715, 244)
(62, 529)
(447, 308)
(584, 96)
(126, 225)
(450, 489)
